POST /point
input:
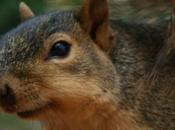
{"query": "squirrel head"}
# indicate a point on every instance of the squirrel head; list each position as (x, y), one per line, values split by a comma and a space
(57, 61)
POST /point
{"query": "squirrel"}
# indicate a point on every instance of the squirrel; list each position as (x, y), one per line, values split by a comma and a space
(79, 70)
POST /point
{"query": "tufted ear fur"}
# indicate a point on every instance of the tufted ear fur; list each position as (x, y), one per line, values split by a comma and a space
(93, 17)
(25, 11)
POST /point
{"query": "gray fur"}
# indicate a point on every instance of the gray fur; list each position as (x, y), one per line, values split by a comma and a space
(144, 88)
(24, 42)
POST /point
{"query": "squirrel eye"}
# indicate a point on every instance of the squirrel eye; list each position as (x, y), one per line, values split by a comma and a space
(60, 49)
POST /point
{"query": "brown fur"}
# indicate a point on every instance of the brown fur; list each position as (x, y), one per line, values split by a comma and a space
(72, 102)
(94, 19)
(118, 79)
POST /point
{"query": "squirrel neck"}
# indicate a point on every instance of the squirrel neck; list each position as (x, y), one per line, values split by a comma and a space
(98, 116)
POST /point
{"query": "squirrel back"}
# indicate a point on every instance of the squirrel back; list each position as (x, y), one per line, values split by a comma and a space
(77, 70)
(146, 63)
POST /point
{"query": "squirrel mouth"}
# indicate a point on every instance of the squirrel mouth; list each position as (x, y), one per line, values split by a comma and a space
(33, 113)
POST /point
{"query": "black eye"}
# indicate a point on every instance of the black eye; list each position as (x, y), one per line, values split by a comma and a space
(60, 49)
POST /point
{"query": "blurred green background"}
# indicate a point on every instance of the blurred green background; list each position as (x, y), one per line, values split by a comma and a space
(10, 15)
(10, 19)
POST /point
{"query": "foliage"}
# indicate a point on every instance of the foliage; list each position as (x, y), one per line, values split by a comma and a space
(11, 122)
(10, 15)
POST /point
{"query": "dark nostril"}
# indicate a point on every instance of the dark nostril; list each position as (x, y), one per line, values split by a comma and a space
(5, 91)
(7, 96)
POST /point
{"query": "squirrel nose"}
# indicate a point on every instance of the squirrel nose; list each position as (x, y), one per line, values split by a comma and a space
(7, 96)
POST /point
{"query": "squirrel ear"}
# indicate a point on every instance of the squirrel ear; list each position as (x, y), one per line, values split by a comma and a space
(93, 18)
(25, 11)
